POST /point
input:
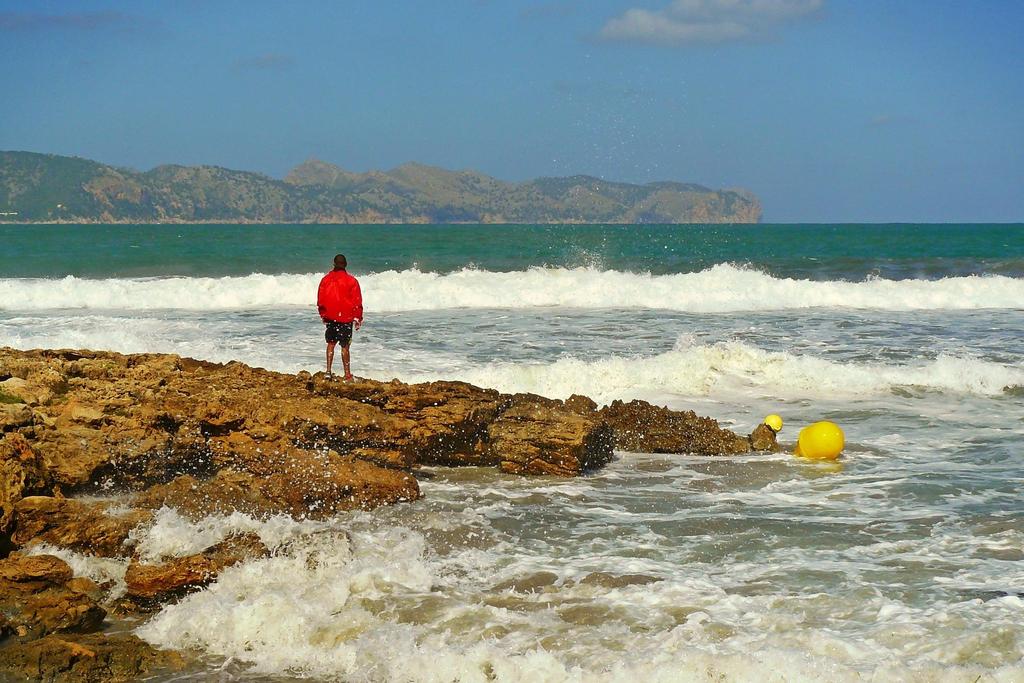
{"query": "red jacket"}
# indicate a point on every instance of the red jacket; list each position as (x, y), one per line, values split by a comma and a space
(339, 298)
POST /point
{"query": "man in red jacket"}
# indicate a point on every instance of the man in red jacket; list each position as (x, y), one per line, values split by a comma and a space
(340, 303)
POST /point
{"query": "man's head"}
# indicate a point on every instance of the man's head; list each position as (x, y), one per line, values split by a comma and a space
(340, 262)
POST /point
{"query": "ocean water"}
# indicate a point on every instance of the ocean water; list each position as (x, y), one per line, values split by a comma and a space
(903, 562)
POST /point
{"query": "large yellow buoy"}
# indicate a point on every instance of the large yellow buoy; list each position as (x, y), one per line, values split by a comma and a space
(775, 422)
(820, 441)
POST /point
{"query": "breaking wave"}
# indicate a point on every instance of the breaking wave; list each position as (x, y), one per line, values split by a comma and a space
(714, 369)
(722, 288)
(341, 600)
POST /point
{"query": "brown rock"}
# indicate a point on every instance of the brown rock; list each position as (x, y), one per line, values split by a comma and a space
(607, 580)
(135, 421)
(35, 601)
(19, 388)
(14, 415)
(183, 574)
(21, 471)
(87, 587)
(68, 523)
(451, 421)
(438, 423)
(583, 405)
(27, 569)
(536, 582)
(79, 413)
(385, 457)
(226, 492)
(533, 437)
(763, 439)
(213, 438)
(319, 485)
(303, 487)
(92, 658)
(644, 428)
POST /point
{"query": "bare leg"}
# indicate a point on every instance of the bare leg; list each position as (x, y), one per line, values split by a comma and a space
(345, 362)
(330, 356)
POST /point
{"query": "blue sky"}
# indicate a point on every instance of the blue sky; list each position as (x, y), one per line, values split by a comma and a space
(829, 110)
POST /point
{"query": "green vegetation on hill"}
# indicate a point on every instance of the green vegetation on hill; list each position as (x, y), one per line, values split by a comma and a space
(45, 187)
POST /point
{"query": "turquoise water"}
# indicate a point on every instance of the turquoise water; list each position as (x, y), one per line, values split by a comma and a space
(814, 251)
(904, 562)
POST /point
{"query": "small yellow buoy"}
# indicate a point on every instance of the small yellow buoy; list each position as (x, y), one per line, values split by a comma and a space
(775, 422)
(820, 441)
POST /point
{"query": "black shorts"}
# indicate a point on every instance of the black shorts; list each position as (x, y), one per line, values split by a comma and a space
(338, 332)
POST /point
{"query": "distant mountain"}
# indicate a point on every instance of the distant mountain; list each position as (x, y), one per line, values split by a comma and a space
(46, 187)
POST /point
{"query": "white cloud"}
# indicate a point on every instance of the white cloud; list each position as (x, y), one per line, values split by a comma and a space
(688, 22)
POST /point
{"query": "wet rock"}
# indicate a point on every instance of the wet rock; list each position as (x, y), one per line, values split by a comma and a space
(92, 658)
(27, 569)
(763, 439)
(644, 428)
(137, 421)
(87, 587)
(608, 580)
(437, 423)
(35, 599)
(228, 491)
(582, 405)
(88, 528)
(385, 457)
(306, 489)
(530, 583)
(180, 575)
(543, 437)
(318, 483)
(451, 421)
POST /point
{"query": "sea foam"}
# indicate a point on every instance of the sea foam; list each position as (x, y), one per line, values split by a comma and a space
(375, 604)
(713, 369)
(722, 288)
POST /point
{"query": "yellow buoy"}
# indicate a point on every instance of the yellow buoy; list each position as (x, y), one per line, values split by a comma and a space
(820, 441)
(775, 422)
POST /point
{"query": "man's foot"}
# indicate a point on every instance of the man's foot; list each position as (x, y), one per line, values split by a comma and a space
(329, 376)
(349, 378)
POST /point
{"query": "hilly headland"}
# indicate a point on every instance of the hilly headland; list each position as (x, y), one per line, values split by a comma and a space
(47, 188)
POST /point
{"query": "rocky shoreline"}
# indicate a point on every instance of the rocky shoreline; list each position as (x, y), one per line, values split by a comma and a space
(206, 438)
